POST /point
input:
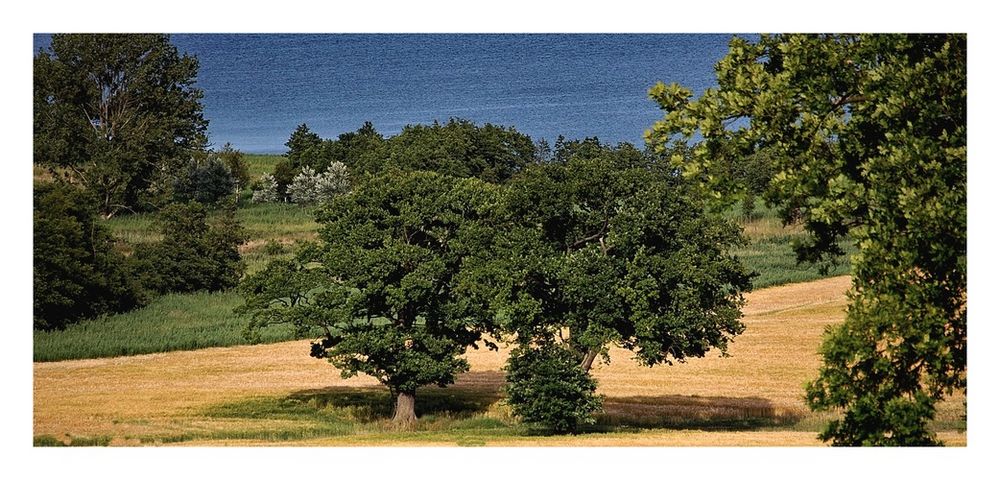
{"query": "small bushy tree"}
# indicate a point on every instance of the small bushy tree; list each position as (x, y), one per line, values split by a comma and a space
(208, 181)
(193, 255)
(284, 173)
(236, 164)
(267, 191)
(335, 181)
(309, 187)
(303, 186)
(547, 386)
(300, 141)
(77, 272)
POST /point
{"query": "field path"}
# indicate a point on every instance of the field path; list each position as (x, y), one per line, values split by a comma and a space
(161, 394)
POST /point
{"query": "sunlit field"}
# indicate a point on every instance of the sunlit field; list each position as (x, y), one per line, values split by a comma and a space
(277, 394)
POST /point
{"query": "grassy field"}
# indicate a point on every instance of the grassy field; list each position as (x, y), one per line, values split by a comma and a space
(276, 394)
(258, 164)
(172, 322)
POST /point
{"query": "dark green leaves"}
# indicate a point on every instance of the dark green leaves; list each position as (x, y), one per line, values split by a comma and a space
(193, 255)
(77, 272)
(866, 135)
(546, 386)
(116, 110)
(385, 282)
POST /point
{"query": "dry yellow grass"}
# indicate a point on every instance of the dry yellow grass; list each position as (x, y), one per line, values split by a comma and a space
(162, 394)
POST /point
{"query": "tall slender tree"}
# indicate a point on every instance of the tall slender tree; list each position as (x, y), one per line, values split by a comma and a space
(115, 113)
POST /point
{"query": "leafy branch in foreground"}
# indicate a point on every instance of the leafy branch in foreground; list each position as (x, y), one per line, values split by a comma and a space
(867, 134)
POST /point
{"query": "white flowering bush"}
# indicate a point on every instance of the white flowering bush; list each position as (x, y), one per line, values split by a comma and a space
(335, 181)
(303, 186)
(268, 191)
(309, 187)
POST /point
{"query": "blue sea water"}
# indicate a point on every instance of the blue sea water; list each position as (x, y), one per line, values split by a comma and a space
(258, 87)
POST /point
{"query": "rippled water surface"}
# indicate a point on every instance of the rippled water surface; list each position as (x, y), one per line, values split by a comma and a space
(259, 87)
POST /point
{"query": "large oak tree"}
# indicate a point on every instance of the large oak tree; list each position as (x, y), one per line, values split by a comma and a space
(385, 283)
(606, 248)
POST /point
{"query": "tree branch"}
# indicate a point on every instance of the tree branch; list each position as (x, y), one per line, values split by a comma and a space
(601, 233)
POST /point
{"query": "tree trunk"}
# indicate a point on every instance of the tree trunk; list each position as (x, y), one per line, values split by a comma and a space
(405, 415)
(588, 360)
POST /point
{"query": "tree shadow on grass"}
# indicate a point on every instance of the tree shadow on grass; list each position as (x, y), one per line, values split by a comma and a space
(692, 412)
(472, 393)
(462, 405)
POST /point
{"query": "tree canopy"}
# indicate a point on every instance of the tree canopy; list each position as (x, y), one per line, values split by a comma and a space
(599, 252)
(111, 111)
(193, 255)
(385, 284)
(77, 272)
(605, 248)
(457, 148)
(867, 135)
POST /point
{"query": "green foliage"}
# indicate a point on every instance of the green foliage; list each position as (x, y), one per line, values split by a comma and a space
(272, 247)
(310, 187)
(609, 253)
(236, 164)
(206, 182)
(301, 140)
(457, 148)
(868, 138)
(546, 385)
(461, 149)
(50, 441)
(384, 283)
(193, 255)
(114, 111)
(362, 150)
(266, 190)
(602, 247)
(284, 173)
(77, 272)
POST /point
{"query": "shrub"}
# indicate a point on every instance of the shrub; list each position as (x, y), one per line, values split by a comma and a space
(547, 386)
(238, 168)
(272, 247)
(267, 191)
(193, 256)
(284, 172)
(77, 273)
(206, 182)
(335, 181)
(303, 187)
(308, 187)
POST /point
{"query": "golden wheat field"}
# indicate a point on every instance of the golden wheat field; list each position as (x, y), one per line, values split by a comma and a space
(277, 395)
